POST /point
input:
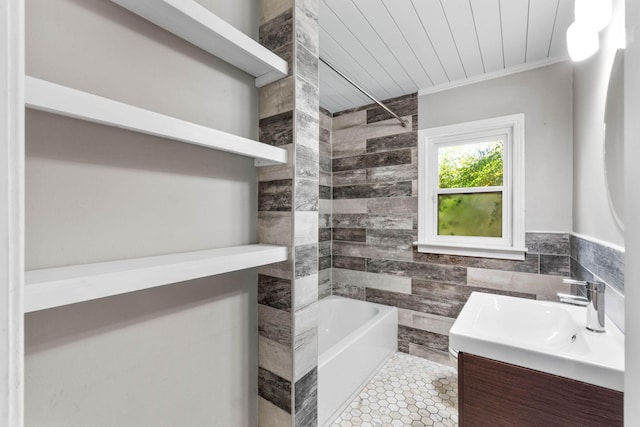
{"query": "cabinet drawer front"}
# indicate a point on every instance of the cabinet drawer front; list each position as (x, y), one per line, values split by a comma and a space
(493, 393)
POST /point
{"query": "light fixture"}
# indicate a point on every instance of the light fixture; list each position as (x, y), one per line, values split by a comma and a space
(582, 41)
(594, 14)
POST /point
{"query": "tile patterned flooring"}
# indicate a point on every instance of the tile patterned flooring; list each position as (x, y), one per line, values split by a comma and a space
(407, 391)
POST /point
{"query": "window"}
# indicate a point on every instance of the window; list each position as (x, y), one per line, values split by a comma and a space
(471, 189)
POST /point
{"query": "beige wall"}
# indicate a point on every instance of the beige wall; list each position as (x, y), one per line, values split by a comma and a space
(179, 355)
(591, 213)
(544, 96)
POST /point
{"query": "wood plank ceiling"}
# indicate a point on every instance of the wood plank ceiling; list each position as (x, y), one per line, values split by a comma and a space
(397, 47)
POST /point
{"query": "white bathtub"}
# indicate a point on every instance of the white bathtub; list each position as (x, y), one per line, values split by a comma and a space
(354, 339)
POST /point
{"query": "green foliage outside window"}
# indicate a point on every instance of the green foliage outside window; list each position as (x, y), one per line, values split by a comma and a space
(466, 166)
(470, 165)
(475, 214)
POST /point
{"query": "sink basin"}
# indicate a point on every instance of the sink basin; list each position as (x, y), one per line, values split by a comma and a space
(545, 336)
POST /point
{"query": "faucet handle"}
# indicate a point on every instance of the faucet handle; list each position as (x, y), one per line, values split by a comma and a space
(590, 285)
(581, 283)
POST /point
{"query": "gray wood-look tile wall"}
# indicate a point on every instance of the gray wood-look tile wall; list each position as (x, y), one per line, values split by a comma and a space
(373, 221)
(594, 261)
(325, 210)
(288, 207)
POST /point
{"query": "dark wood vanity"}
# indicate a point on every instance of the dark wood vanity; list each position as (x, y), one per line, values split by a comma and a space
(495, 394)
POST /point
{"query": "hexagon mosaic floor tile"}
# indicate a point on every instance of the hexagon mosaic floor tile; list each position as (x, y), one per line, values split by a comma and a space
(407, 391)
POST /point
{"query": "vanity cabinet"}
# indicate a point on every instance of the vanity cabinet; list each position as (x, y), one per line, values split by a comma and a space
(493, 393)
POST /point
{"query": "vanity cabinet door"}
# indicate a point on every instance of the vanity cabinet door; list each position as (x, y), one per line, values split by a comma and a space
(495, 394)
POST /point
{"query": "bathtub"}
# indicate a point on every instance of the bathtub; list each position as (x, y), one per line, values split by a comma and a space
(354, 339)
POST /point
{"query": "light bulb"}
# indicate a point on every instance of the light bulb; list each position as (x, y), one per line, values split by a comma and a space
(594, 14)
(582, 41)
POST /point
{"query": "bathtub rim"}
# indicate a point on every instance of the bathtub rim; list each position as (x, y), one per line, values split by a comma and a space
(384, 310)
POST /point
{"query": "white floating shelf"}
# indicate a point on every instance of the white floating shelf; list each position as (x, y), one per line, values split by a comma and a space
(54, 287)
(53, 98)
(197, 25)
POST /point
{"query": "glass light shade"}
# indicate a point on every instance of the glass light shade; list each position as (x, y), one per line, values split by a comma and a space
(594, 14)
(582, 41)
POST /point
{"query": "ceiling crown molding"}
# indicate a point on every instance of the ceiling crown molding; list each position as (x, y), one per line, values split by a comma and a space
(492, 75)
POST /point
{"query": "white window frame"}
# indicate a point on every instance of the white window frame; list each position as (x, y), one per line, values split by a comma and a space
(511, 245)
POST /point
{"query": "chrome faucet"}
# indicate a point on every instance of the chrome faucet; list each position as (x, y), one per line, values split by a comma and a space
(594, 301)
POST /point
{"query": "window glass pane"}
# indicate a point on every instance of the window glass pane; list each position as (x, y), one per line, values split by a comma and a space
(471, 214)
(478, 164)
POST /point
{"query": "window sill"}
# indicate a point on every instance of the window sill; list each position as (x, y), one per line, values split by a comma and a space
(510, 253)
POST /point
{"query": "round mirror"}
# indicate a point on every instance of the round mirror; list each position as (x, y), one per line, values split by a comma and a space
(614, 139)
